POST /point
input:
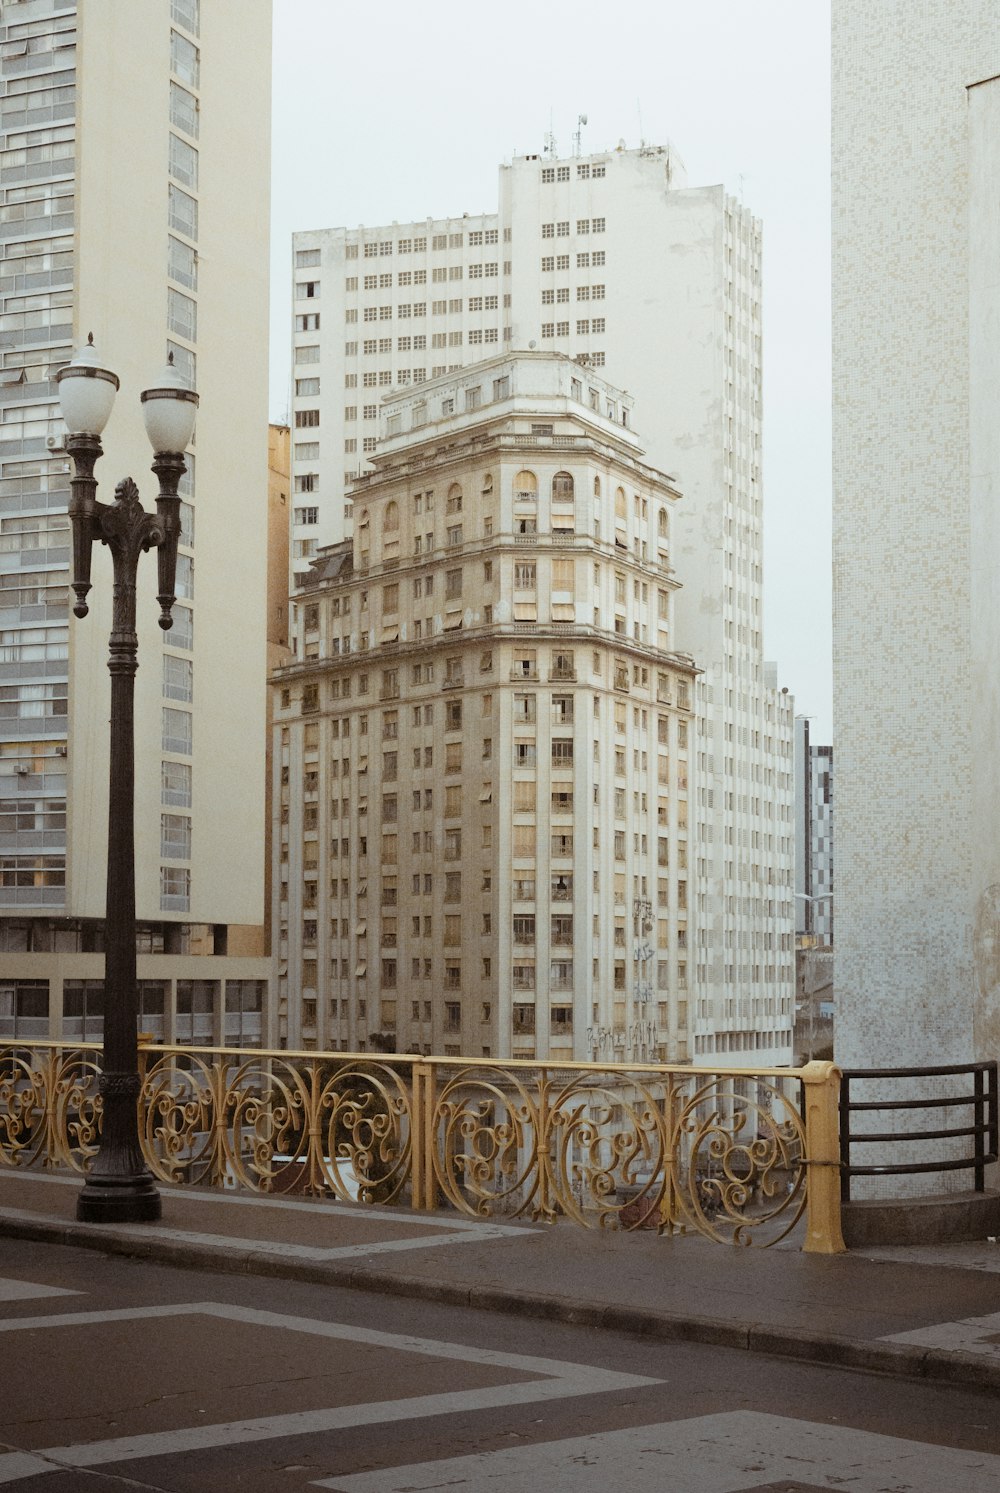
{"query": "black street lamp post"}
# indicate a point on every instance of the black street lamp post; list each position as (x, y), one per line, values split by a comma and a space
(119, 1186)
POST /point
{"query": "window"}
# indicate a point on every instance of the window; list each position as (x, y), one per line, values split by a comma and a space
(524, 927)
(185, 13)
(307, 323)
(244, 1013)
(176, 731)
(182, 211)
(24, 1008)
(562, 488)
(175, 784)
(524, 1015)
(184, 59)
(175, 889)
(177, 677)
(183, 161)
(175, 836)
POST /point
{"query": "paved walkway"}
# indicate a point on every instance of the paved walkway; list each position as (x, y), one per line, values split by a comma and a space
(920, 1312)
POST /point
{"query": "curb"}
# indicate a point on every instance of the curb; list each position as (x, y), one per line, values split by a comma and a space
(898, 1360)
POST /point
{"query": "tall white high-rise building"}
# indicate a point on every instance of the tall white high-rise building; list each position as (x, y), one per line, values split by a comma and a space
(916, 306)
(613, 260)
(132, 206)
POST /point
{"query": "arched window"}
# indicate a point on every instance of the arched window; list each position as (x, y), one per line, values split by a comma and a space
(562, 488)
(488, 485)
(390, 524)
(661, 523)
(526, 487)
(454, 503)
(363, 537)
(621, 510)
(597, 487)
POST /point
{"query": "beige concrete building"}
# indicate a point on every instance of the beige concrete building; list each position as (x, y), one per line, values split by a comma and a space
(133, 205)
(278, 651)
(483, 748)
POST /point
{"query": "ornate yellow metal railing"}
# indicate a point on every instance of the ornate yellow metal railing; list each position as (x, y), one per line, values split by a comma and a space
(735, 1154)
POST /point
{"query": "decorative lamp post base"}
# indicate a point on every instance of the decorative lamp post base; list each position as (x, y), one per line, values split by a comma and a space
(118, 1200)
(119, 1186)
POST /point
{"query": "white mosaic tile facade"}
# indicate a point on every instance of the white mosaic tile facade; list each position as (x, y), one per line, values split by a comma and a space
(916, 179)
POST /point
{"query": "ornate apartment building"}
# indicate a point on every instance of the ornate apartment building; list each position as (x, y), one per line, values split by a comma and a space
(126, 210)
(483, 748)
(613, 260)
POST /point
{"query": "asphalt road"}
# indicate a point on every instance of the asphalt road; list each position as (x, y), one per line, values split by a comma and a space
(117, 1374)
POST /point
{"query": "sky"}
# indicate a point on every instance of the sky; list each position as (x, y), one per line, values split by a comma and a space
(404, 110)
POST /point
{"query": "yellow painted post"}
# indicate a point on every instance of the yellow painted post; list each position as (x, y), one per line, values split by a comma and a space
(422, 1138)
(53, 1140)
(821, 1084)
(543, 1141)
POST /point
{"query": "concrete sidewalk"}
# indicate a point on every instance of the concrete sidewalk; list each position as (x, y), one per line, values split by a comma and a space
(921, 1312)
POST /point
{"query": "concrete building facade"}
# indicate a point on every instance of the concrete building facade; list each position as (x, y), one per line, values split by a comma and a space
(813, 838)
(483, 748)
(615, 261)
(126, 211)
(916, 477)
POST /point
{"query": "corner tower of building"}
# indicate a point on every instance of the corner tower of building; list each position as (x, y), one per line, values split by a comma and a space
(483, 748)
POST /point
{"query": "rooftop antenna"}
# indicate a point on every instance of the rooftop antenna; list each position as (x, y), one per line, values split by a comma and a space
(581, 120)
(642, 137)
(550, 139)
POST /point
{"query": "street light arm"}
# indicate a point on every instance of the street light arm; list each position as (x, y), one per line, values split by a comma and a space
(85, 451)
(169, 467)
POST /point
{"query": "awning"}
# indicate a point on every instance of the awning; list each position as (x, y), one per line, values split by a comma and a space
(525, 611)
(563, 611)
(360, 969)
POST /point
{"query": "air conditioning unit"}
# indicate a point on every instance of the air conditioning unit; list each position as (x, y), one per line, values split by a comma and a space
(55, 442)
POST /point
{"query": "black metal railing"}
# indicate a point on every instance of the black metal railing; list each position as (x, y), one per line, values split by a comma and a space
(981, 1131)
